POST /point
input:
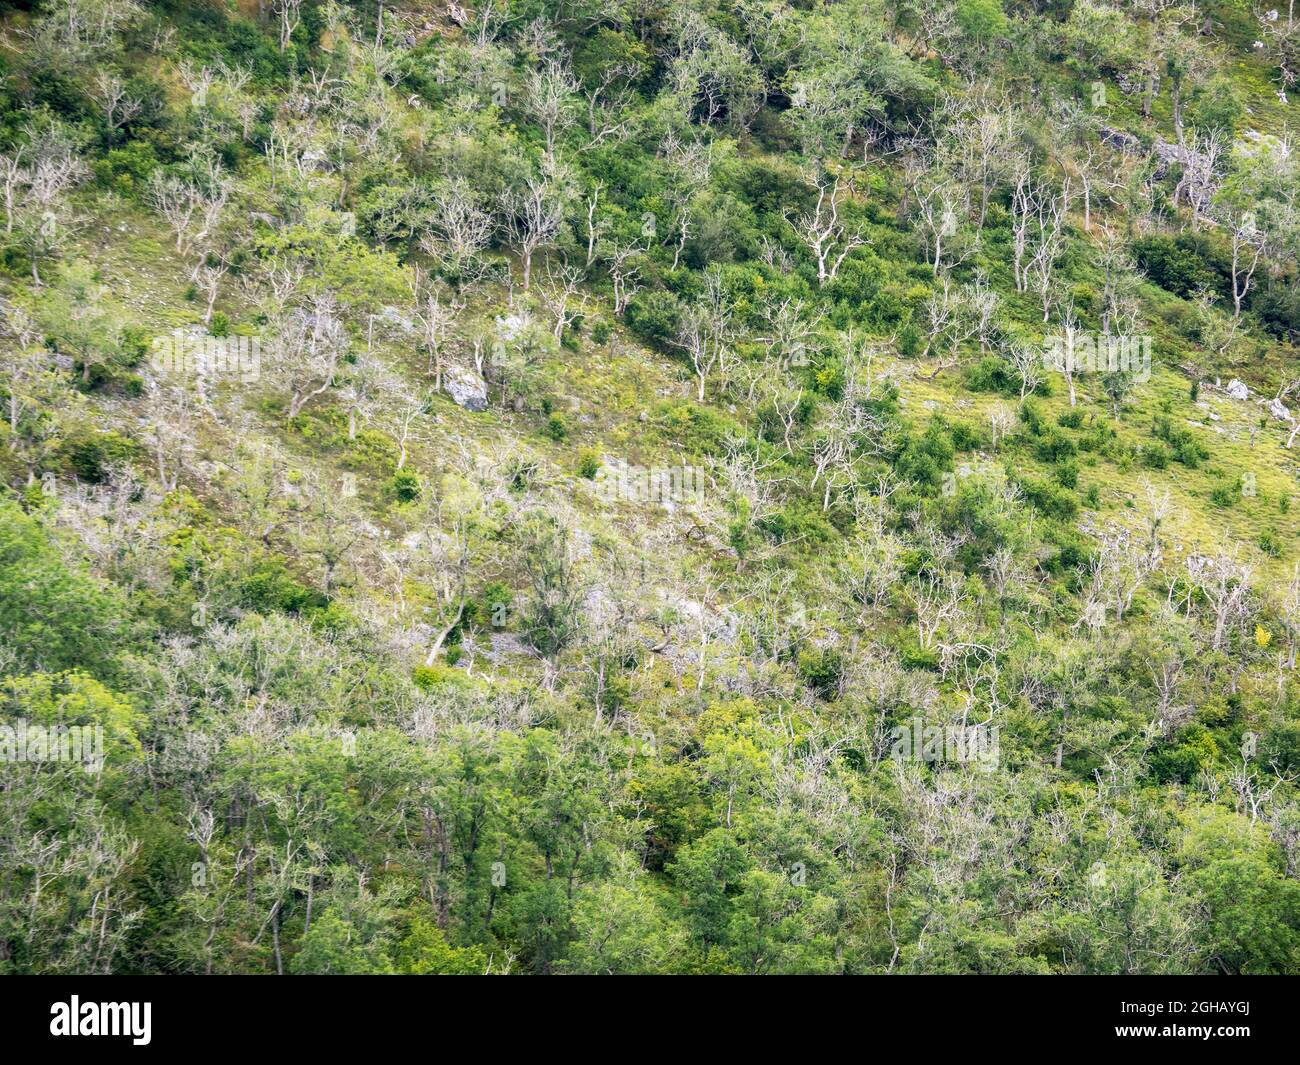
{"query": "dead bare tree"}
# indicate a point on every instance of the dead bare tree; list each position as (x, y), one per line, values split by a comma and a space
(938, 202)
(535, 210)
(1065, 347)
(459, 229)
(704, 331)
(550, 97)
(937, 601)
(1225, 584)
(14, 176)
(825, 233)
(311, 343)
(1028, 363)
(120, 106)
(607, 100)
(621, 260)
(1048, 237)
(692, 164)
(1249, 242)
(436, 310)
(190, 208)
(595, 227)
(561, 294)
(290, 14)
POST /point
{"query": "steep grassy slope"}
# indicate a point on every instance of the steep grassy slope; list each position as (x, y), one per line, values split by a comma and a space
(403, 662)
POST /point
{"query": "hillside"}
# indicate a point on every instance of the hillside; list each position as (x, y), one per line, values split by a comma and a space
(714, 487)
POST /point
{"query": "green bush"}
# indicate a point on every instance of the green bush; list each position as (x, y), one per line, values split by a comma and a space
(493, 605)
(588, 463)
(1053, 446)
(1224, 495)
(1186, 448)
(54, 615)
(556, 428)
(1052, 500)
(1031, 417)
(796, 522)
(1098, 437)
(1282, 746)
(1185, 264)
(1183, 757)
(822, 670)
(431, 678)
(992, 373)
(910, 341)
(966, 436)
(925, 459)
(654, 317)
(269, 587)
(91, 454)
(126, 170)
(405, 486)
(1155, 455)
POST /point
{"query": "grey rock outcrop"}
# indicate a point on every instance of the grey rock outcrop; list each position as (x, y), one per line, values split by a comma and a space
(466, 387)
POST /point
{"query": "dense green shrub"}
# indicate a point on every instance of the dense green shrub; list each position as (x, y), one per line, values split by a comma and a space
(53, 614)
(1185, 263)
(654, 317)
